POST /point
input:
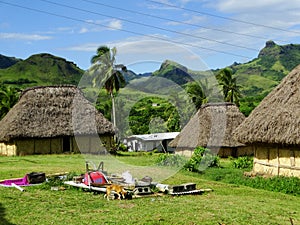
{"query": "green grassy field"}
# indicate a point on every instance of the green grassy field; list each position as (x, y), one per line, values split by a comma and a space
(228, 203)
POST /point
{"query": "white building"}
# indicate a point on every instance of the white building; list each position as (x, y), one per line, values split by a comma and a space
(149, 142)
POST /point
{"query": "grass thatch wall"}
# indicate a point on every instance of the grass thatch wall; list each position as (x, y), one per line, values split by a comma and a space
(7, 149)
(277, 160)
(186, 152)
(92, 144)
(81, 144)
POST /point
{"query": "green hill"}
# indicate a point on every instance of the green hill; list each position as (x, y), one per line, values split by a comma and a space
(41, 69)
(175, 72)
(6, 61)
(260, 75)
(256, 77)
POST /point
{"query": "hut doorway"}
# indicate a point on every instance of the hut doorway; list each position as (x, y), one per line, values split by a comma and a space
(66, 144)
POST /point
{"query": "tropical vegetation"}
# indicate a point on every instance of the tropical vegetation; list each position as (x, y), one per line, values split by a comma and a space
(230, 88)
(254, 79)
(8, 98)
(106, 73)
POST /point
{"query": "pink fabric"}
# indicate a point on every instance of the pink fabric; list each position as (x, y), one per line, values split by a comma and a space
(18, 181)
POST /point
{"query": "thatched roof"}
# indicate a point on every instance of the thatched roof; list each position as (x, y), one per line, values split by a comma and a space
(276, 120)
(52, 111)
(211, 126)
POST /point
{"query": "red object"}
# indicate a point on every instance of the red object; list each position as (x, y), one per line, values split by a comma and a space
(94, 177)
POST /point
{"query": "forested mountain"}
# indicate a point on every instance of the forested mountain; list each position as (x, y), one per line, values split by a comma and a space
(256, 77)
(40, 69)
(6, 61)
(261, 74)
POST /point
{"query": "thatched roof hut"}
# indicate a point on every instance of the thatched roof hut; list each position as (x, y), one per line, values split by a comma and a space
(51, 113)
(212, 127)
(273, 128)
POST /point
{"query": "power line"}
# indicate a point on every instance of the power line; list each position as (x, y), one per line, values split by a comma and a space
(181, 22)
(223, 17)
(151, 26)
(123, 30)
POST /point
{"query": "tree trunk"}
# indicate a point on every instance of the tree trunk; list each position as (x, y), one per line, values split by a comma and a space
(113, 109)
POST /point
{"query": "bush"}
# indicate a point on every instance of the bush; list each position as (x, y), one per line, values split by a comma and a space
(171, 160)
(201, 159)
(244, 162)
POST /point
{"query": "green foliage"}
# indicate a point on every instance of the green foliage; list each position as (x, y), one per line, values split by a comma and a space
(244, 162)
(287, 185)
(201, 159)
(247, 104)
(229, 174)
(172, 160)
(196, 93)
(106, 73)
(154, 111)
(8, 98)
(230, 88)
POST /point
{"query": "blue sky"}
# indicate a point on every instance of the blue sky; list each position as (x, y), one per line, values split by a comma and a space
(195, 33)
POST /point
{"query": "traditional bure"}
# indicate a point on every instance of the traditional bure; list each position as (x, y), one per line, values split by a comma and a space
(212, 127)
(54, 119)
(273, 129)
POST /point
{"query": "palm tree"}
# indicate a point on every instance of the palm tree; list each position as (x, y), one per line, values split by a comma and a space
(230, 88)
(197, 92)
(9, 97)
(107, 73)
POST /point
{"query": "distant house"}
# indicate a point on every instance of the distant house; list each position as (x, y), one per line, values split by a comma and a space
(54, 119)
(212, 127)
(149, 142)
(273, 129)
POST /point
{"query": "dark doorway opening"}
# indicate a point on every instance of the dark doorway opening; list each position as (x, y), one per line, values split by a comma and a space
(66, 144)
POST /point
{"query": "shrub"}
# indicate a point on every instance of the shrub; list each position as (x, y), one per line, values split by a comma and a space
(244, 162)
(201, 159)
(171, 160)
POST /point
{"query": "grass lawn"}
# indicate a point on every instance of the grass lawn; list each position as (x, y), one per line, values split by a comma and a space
(228, 204)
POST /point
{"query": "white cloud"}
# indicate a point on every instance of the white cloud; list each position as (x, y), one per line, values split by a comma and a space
(192, 19)
(83, 30)
(115, 24)
(100, 25)
(87, 47)
(263, 6)
(267, 12)
(22, 36)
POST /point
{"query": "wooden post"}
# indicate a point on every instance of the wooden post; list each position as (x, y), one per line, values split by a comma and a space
(278, 161)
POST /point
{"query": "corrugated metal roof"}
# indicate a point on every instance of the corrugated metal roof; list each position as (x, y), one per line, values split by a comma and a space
(155, 136)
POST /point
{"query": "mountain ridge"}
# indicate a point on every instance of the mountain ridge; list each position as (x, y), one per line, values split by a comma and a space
(257, 77)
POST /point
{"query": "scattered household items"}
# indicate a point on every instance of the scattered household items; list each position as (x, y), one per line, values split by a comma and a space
(29, 179)
(186, 189)
(124, 186)
(36, 178)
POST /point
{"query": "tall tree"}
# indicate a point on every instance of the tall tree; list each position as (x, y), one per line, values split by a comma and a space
(107, 73)
(196, 91)
(230, 88)
(8, 98)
